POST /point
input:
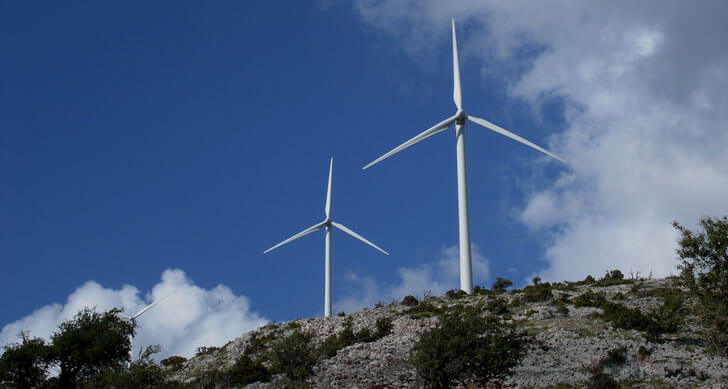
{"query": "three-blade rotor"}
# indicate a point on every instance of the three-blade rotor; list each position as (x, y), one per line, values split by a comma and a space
(459, 115)
(327, 222)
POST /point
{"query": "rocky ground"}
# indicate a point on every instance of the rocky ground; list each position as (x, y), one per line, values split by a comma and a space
(568, 343)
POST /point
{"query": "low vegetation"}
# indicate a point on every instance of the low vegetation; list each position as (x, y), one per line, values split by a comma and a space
(468, 347)
(471, 340)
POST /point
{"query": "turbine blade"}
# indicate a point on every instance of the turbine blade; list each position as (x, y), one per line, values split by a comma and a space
(328, 190)
(456, 93)
(300, 234)
(354, 234)
(439, 127)
(148, 307)
(502, 131)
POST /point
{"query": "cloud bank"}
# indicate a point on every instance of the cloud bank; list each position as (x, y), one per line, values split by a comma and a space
(644, 86)
(190, 318)
(435, 278)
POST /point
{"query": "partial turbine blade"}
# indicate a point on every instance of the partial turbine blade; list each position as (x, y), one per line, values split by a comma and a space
(354, 234)
(300, 234)
(328, 191)
(502, 131)
(148, 307)
(456, 92)
(439, 127)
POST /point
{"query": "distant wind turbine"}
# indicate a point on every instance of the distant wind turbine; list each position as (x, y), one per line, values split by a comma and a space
(466, 273)
(132, 319)
(328, 223)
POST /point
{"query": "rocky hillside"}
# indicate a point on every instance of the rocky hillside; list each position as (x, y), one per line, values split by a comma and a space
(640, 333)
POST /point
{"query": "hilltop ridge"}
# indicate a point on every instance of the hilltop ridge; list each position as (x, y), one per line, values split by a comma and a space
(639, 332)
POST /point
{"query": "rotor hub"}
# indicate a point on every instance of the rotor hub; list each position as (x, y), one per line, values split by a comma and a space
(460, 117)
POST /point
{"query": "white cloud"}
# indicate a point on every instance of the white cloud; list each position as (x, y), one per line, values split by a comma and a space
(189, 318)
(645, 86)
(435, 278)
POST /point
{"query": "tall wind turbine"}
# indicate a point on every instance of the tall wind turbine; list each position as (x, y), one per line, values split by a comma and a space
(328, 223)
(133, 318)
(466, 273)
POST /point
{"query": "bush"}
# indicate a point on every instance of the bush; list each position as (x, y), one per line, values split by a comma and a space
(465, 347)
(293, 356)
(142, 373)
(455, 294)
(423, 310)
(501, 284)
(614, 277)
(704, 271)
(174, 362)
(537, 292)
(479, 290)
(331, 345)
(246, 371)
(600, 379)
(497, 306)
(589, 299)
(410, 301)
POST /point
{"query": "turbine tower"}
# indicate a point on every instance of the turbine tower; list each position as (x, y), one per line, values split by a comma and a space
(466, 272)
(328, 223)
(132, 319)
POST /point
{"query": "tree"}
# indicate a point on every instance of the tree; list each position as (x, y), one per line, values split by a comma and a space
(466, 346)
(90, 343)
(704, 270)
(25, 364)
(500, 285)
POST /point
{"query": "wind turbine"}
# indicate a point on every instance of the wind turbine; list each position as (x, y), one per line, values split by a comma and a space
(328, 223)
(132, 319)
(466, 273)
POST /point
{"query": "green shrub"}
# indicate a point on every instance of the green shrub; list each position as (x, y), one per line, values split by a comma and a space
(479, 290)
(537, 292)
(259, 344)
(422, 310)
(341, 314)
(589, 299)
(384, 327)
(465, 347)
(614, 277)
(246, 371)
(293, 356)
(704, 271)
(601, 380)
(562, 308)
(332, 344)
(410, 301)
(497, 306)
(501, 284)
(174, 362)
(455, 294)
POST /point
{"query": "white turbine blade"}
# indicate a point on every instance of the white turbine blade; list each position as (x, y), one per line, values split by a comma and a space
(439, 127)
(148, 307)
(125, 317)
(502, 131)
(300, 234)
(328, 191)
(456, 92)
(354, 234)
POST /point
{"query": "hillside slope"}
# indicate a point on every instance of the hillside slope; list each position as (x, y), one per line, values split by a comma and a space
(578, 329)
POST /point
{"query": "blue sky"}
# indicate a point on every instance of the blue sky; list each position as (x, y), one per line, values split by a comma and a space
(143, 137)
